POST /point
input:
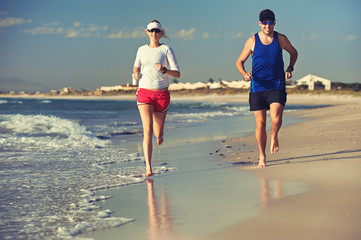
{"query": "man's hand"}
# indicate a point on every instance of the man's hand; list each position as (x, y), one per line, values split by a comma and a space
(247, 77)
(288, 75)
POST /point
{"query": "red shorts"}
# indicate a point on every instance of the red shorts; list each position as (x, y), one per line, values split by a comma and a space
(159, 99)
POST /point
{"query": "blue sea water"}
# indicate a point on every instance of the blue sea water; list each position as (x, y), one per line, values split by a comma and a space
(55, 154)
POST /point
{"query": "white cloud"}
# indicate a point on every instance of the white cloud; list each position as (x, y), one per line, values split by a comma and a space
(206, 35)
(72, 32)
(186, 34)
(6, 22)
(351, 37)
(52, 24)
(75, 34)
(44, 30)
(137, 33)
(312, 36)
(234, 35)
(60, 30)
(93, 28)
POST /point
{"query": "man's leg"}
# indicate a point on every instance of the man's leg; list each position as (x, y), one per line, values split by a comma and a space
(276, 112)
(261, 135)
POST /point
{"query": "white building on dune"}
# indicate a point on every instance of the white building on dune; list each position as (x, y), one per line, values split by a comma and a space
(237, 84)
(216, 85)
(125, 87)
(310, 81)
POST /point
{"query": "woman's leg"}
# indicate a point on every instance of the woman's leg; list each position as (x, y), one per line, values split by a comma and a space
(146, 113)
(158, 125)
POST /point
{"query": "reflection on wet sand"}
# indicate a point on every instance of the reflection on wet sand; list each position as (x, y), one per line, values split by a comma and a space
(161, 225)
(266, 191)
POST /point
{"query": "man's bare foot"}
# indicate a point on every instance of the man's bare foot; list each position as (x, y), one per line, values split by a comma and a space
(262, 163)
(274, 145)
(159, 140)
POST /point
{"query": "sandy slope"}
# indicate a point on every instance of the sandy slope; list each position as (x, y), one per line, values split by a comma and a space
(324, 153)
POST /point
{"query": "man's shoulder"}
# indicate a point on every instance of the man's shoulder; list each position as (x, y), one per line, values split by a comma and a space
(281, 36)
(253, 37)
(251, 41)
(282, 39)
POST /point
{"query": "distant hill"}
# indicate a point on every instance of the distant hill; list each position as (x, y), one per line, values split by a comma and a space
(18, 84)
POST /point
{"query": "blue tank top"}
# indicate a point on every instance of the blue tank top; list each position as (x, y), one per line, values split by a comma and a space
(267, 66)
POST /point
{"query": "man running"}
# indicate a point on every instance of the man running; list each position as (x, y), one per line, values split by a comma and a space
(268, 86)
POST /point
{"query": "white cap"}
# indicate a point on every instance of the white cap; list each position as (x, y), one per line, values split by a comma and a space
(152, 25)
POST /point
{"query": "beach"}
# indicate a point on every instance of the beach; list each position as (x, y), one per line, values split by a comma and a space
(325, 154)
(206, 184)
(310, 189)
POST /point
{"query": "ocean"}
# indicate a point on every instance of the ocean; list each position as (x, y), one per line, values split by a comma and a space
(56, 154)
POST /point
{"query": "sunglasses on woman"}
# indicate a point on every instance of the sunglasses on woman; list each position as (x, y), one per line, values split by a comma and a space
(154, 30)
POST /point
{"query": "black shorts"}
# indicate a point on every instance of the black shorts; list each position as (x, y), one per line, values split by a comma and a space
(263, 100)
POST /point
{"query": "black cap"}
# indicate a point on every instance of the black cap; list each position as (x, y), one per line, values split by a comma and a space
(266, 15)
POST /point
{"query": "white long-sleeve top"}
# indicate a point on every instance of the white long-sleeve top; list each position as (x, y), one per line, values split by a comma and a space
(146, 59)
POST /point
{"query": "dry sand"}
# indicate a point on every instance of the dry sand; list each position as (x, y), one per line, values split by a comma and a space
(325, 154)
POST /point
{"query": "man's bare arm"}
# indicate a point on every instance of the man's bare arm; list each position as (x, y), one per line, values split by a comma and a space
(246, 52)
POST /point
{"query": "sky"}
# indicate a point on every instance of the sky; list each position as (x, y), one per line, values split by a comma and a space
(92, 43)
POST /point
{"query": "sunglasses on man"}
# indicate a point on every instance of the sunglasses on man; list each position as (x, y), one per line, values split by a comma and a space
(154, 30)
(268, 22)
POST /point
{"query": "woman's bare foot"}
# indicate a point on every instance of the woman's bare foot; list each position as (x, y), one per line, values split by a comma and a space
(148, 174)
(159, 140)
(262, 163)
(274, 145)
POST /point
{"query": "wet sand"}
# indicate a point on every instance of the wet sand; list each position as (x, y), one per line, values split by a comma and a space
(311, 189)
(325, 154)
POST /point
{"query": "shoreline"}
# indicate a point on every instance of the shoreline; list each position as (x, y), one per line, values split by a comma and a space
(292, 98)
(323, 152)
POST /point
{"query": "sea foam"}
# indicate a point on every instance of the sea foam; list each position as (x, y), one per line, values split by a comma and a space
(50, 170)
(46, 132)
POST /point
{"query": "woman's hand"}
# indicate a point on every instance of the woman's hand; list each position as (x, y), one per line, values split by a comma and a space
(136, 76)
(159, 67)
(136, 71)
(172, 73)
